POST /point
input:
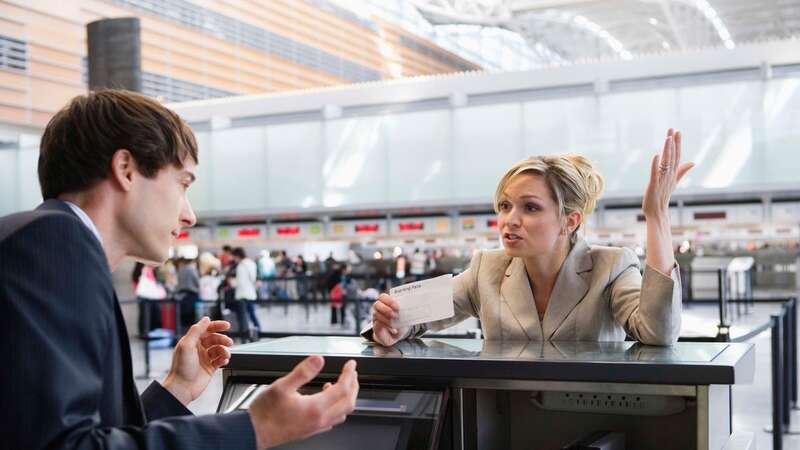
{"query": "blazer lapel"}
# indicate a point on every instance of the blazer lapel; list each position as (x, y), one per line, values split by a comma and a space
(569, 289)
(515, 290)
(132, 403)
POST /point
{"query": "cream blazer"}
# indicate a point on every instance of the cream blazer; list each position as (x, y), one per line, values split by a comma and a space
(599, 295)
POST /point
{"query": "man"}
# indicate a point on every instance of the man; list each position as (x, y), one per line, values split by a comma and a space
(187, 289)
(226, 257)
(246, 276)
(114, 168)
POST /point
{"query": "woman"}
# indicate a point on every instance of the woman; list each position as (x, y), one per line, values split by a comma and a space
(547, 283)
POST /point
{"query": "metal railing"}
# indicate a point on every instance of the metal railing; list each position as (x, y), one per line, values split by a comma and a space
(783, 347)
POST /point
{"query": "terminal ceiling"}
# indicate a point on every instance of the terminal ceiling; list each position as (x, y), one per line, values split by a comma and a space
(566, 31)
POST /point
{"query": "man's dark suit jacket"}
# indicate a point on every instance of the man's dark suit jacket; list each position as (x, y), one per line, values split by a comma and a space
(66, 371)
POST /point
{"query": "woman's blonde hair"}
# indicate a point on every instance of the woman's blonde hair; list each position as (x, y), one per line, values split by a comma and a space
(208, 263)
(574, 184)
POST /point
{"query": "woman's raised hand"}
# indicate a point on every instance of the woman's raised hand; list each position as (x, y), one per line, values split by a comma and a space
(666, 171)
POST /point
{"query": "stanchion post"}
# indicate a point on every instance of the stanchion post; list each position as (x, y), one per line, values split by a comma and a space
(787, 366)
(146, 337)
(777, 383)
(177, 319)
(723, 329)
(792, 313)
(357, 305)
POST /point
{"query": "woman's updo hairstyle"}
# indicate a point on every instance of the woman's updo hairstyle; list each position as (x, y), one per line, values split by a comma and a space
(574, 184)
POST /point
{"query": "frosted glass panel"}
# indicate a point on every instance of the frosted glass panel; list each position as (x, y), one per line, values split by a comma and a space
(200, 191)
(354, 164)
(718, 124)
(782, 130)
(8, 181)
(30, 194)
(631, 128)
(294, 165)
(741, 134)
(559, 126)
(419, 156)
(239, 169)
(487, 141)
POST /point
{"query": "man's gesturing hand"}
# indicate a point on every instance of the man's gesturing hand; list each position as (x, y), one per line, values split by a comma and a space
(280, 414)
(198, 354)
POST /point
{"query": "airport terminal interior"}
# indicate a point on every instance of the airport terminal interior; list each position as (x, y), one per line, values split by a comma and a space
(349, 147)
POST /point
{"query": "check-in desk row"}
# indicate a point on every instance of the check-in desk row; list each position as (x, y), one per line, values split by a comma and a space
(454, 394)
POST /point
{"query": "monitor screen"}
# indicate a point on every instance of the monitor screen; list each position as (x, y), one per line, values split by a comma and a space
(381, 435)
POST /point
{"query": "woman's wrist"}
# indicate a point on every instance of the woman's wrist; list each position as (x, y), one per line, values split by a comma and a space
(658, 215)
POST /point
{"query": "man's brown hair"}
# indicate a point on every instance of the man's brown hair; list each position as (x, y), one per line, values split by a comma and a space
(80, 140)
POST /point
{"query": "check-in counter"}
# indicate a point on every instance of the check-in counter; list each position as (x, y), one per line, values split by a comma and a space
(459, 394)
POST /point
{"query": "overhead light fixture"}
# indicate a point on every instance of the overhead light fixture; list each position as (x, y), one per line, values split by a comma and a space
(666, 45)
(711, 15)
(603, 34)
(652, 21)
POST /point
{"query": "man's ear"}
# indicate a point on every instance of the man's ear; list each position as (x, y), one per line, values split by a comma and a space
(123, 168)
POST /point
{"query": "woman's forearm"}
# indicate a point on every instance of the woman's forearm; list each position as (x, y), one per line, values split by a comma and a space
(659, 244)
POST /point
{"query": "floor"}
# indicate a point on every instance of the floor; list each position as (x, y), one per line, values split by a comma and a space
(751, 403)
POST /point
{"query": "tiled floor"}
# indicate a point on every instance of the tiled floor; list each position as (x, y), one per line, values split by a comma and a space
(751, 403)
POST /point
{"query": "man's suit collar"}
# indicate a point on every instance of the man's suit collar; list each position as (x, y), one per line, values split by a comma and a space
(568, 291)
(62, 206)
(56, 205)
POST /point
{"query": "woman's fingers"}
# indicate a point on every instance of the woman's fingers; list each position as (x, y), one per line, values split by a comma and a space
(654, 166)
(389, 301)
(665, 151)
(683, 169)
(383, 308)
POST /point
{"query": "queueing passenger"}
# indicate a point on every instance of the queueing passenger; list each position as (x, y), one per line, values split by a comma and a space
(226, 257)
(187, 291)
(246, 295)
(549, 284)
(210, 280)
(419, 262)
(114, 169)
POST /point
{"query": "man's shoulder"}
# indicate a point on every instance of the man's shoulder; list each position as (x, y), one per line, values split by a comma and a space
(17, 224)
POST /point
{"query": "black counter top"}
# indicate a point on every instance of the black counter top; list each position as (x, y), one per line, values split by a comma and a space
(629, 362)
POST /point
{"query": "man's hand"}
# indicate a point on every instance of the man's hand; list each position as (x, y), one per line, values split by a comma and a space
(198, 354)
(280, 414)
(384, 311)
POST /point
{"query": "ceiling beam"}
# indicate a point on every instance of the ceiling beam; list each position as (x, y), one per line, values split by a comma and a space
(677, 33)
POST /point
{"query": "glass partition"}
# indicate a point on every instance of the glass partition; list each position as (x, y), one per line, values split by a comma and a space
(238, 169)
(8, 181)
(487, 141)
(419, 154)
(354, 162)
(741, 134)
(294, 165)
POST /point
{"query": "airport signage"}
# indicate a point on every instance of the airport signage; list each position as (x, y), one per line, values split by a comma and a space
(737, 214)
(196, 234)
(628, 217)
(358, 228)
(296, 230)
(418, 226)
(478, 224)
(786, 212)
(241, 232)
